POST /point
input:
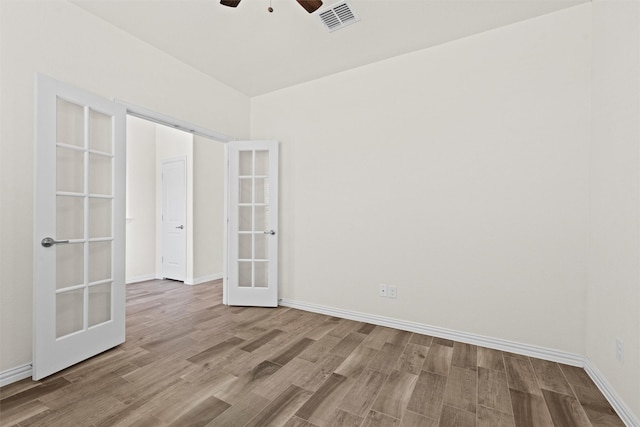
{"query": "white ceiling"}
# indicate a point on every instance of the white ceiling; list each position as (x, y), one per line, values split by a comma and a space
(256, 52)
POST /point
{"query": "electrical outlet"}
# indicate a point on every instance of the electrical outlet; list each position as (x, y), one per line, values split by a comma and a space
(620, 350)
(382, 290)
(392, 291)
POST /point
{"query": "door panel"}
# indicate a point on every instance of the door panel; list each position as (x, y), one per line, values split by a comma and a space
(79, 295)
(174, 217)
(253, 223)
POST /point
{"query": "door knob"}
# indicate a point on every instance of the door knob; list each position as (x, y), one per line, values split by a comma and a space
(180, 227)
(271, 232)
(47, 242)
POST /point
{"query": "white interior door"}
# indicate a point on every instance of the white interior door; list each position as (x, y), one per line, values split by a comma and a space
(79, 280)
(252, 235)
(174, 215)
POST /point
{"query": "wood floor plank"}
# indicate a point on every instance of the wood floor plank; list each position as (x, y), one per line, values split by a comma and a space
(377, 419)
(349, 343)
(520, 375)
(428, 395)
(298, 422)
(439, 358)
(565, 410)
(356, 362)
(361, 396)
(530, 410)
(490, 359)
(321, 405)
(282, 408)
(456, 417)
(386, 358)
(487, 417)
(461, 389)
(464, 356)
(577, 376)
(412, 358)
(202, 413)
(341, 418)
(411, 419)
(395, 394)
(235, 391)
(293, 350)
(493, 390)
(550, 376)
(241, 412)
(598, 409)
(420, 339)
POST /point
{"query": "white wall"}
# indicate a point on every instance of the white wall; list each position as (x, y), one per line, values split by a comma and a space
(63, 41)
(613, 309)
(141, 199)
(208, 208)
(458, 173)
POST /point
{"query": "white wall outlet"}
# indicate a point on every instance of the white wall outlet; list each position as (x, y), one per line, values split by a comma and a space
(382, 290)
(620, 350)
(392, 291)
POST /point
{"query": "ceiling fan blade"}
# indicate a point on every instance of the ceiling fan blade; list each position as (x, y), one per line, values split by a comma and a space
(230, 3)
(310, 5)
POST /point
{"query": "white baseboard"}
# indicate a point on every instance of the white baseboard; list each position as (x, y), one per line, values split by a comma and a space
(538, 352)
(15, 374)
(623, 411)
(480, 340)
(137, 279)
(204, 279)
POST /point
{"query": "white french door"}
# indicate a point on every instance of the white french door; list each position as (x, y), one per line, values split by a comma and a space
(174, 217)
(252, 235)
(79, 280)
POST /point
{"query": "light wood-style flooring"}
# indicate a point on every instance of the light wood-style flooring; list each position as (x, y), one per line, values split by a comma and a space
(189, 360)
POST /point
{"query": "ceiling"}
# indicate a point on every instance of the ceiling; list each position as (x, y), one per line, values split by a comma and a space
(257, 52)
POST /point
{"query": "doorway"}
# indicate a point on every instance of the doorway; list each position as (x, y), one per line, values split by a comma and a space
(149, 144)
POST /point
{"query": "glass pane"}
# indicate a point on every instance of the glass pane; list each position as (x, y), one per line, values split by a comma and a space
(262, 274)
(262, 248)
(69, 170)
(246, 195)
(100, 132)
(262, 190)
(261, 218)
(69, 312)
(244, 246)
(69, 217)
(246, 163)
(99, 217)
(262, 162)
(244, 220)
(99, 174)
(69, 265)
(99, 261)
(99, 304)
(244, 274)
(70, 123)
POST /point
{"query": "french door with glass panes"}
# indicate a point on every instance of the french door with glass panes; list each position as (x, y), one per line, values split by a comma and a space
(252, 259)
(79, 289)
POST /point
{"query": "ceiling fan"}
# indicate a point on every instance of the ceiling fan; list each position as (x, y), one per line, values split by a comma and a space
(309, 5)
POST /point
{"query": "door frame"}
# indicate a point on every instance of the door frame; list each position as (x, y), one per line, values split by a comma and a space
(163, 119)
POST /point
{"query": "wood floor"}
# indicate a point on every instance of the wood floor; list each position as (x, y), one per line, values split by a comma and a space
(191, 361)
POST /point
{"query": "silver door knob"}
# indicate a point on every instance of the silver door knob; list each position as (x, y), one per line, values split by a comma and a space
(271, 232)
(47, 242)
(180, 227)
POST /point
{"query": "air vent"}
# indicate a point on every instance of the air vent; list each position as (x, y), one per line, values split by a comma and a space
(338, 16)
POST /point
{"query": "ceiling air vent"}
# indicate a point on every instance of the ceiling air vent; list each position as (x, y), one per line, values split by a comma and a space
(338, 16)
